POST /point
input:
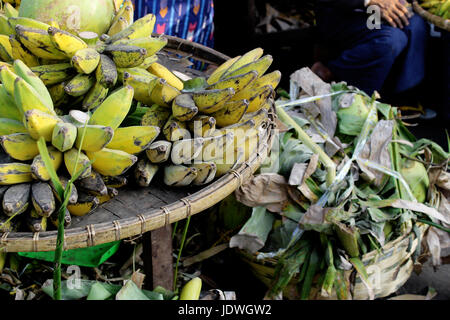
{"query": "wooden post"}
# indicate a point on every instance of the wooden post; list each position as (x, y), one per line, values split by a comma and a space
(158, 258)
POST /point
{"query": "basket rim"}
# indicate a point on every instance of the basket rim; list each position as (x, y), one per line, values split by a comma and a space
(99, 233)
(432, 18)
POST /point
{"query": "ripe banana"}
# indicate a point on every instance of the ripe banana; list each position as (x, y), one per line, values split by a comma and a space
(115, 182)
(40, 124)
(54, 73)
(38, 168)
(258, 117)
(217, 74)
(120, 24)
(151, 44)
(272, 79)
(65, 41)
(144, 172)
(261, 65)
(238, 82)
(133, 139)
(141, 28)
(163, 93)
(10, 126)
(109, 162)
(35, 222)
(215, 147)
(202, 125)
(210, 101)
(6, 53)
(39, 43)
(159, 151)
(16, 199)
(186, 150)
(96, 137)
(19, 52)
(114, 108)
(67, 219)
(75, 163)
(42, 199)
(206, 172)
(5, 28)
(179, 175)
(162, 72)
(14, 172)
(106, 72)
(8, 77)
(63, 136)
(141, 83)
(249, 57)
(79, 85)
(95, 97)
(184, 108)
(92, 184)
(10, 11)
(148, 62)
(230, 161)
(86, 203)
(231, 113)
(175, 130)
(85, 60)
(155, 116)
(112, 192)
(73, 197)
(19, 146)
(125, 56)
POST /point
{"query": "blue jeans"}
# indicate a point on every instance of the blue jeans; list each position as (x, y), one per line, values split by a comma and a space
(374, 55)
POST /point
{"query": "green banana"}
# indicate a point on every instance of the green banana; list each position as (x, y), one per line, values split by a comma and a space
(95, 97)
(9, 126)
(96, 137)
(64, 136)
(74, 165)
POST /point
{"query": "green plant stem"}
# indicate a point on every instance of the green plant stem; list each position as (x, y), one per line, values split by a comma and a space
(183, 239)
(329, 165)
(431, 223)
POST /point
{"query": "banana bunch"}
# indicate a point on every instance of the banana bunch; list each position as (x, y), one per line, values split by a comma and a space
(439, 8)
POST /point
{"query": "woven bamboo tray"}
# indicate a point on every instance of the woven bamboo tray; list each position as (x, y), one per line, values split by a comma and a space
(436, 20)
(137, 210)
(388, 269)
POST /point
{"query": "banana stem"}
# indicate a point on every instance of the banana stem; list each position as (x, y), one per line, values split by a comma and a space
(329, 165)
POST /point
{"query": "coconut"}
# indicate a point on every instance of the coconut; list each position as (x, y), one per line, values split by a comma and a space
(416, 176)
(352, 114)
(72, 15)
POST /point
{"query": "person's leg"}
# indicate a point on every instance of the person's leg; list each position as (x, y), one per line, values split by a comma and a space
(367, 64)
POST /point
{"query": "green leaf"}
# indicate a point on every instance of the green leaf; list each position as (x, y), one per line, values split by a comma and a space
(98, 292)
(195, 84)
(313, 265)
(362, 272)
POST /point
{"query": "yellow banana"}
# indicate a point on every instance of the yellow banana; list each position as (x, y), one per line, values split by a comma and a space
(179, 175)
(42, 199)
(175, 130)
(40, 124)
(58, 94)
(15, 172)
(6, 52)
(115, 182)
(8, 106)
(202, 125)
(10, 11)
(217, 74)
(261, 65)
(10, 126)
(54, 73)
(142, 27)
(92, 184)
(151, 44)
(120, 24)
(85, 60)
(21, 53)
(125, 56)
(95, 97)
(238, 82)
(215, 146)
(109, 162)
(5, 28)
(19, 146)
(95, 137)
(8, 77)
(228, 163)
(112, 192)
(66, 42)
(206, 171)
(39, 43)
(114, 108)
(210, 101)
(258, 117)
(186, 150)
(141, 84)
(16, 199)
(67, 219)
(73, 166)
(272, 79)
(117, 5)
(148, 62)
(27, 22)
(231, 113)
(38, 168)
(155, 116)
(79, 85)
(63, 136)
(249, 57)
(144, 172)
(162, 72)
(133, 139)
(163, 93)
(106, 72)
(257, 101)
(184, 108)
(86, 203)
(159, 151)
(35, 222)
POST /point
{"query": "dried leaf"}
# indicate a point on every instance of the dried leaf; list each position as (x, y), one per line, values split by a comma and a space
(297, 173)
(314, 219)
(434, 246)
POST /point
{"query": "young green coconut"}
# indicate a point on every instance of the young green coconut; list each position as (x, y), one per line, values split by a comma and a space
(415, 174)
(352, 113)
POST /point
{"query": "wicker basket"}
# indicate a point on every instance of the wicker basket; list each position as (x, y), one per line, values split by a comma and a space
(146, 209)
(388, 269)
(439, 22)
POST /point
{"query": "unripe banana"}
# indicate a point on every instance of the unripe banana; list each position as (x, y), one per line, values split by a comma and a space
(40, 124)
(184, 108)
(179, 175)
(86, 203)
(112, 192)
(134, 139)
(231, 113)
(16, 199)
(95, 97)
(206, 171)
(238, 82)
(175, 130)
(120, 24)
(65, 41)
(210, 101)
(95, 137)
(73, 166)
(42, 199)
(27, 22)
(114, 108)
(159, 151)
(163, 93)
(19, 52)
(27, 98)
(10, 126)
(249, 57)
(142, 27)
(35, 222)
(19, 146)
(79, 85)
(217, 74)
(109, 162)
(38, 168)
(261, 66)
(202, 125)
(54, 73)
(8, 78)
(5, 28)
(39, 43)
(187, 150)
(148, 62)
(63, 136)
(162, 72)
(92, 184)
(14, 172)
(85, 60)
(144, 172)
(156, 116)
(9, 109)
(106, 72)
(10, 11)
